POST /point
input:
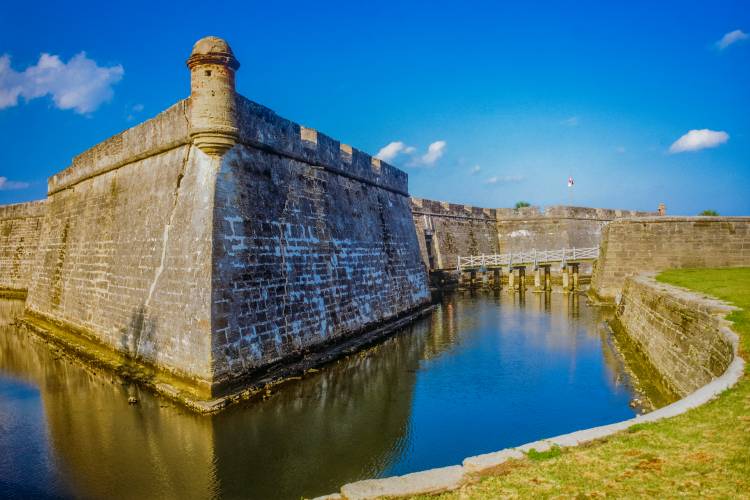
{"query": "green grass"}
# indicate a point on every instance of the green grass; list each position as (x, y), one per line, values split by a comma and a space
(702, 453)
(538, 456)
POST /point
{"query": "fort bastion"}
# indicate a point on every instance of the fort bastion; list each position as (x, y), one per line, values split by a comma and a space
(216, 240)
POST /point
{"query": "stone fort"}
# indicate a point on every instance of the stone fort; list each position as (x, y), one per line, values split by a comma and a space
(217, 243)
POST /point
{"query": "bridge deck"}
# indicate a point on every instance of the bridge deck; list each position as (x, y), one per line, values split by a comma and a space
(535, 257)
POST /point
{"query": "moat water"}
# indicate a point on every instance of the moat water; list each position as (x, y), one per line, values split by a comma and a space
(485, 371)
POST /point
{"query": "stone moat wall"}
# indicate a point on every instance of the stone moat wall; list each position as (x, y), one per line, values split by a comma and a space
(448, 230)
(19, 236)
(632, 246)
(682, 334)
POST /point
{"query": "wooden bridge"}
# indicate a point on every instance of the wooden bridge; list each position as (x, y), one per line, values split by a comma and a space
(516, 263)
(533, 258)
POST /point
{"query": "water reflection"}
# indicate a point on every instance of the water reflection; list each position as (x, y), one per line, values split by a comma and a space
(486, 370)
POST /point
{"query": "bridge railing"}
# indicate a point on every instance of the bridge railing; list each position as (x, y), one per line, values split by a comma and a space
(533, 257)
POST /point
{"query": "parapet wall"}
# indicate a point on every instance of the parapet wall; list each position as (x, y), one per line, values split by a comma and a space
(454, 230)
(20, 226)
(651, 244)
(167, 130)
(685, 336)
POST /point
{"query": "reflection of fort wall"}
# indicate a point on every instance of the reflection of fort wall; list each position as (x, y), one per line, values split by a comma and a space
(106, 448)
(347, 422)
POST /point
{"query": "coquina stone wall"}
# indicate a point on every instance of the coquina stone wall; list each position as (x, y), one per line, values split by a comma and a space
(125, 249)
(19, 236)
(631, 246)
(678, 331)
(218, 239)
(448, 230)
(314, 241)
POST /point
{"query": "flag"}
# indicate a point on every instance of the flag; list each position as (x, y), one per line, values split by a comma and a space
(570, 182)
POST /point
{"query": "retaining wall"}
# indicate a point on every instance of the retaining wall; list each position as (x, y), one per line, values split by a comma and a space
(679, 332)
(19, 236)
(651, 244)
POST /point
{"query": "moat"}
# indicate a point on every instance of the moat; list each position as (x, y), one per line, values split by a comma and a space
(484, 371)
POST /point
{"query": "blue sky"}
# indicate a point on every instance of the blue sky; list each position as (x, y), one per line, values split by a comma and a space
(528, 93)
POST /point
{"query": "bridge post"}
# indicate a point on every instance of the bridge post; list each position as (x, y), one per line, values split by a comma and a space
(497, 278)
(547, 278)
(511, 280)
(522, 278)
(574, 284)
(566, 279)
(472, 278)
(485, 277)
(538, 279)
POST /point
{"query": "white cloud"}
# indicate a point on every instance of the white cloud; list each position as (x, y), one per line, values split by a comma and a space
(696, 140)
(731, 38)
(505, 179)
(433, 154)
(80, 84)
(475, 169)
(6, 185)
(571, 122)
(392, 150)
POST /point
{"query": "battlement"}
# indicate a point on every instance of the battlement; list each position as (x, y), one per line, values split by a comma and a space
(424, 206)
(259, 127)
(446, 209)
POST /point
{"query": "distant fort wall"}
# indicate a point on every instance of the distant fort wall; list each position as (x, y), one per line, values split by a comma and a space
(20, 226)
(449, 230)
(632, 246)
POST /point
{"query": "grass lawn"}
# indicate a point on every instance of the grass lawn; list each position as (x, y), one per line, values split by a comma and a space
(702, 453)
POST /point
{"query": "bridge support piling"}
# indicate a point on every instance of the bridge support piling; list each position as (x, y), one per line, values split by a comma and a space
(497, 278)
(574, 283)
(566, 279)
(522, 278)
(538, 279)
(485, 279)
(472, 279)
(511, 280)
(547, 278)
